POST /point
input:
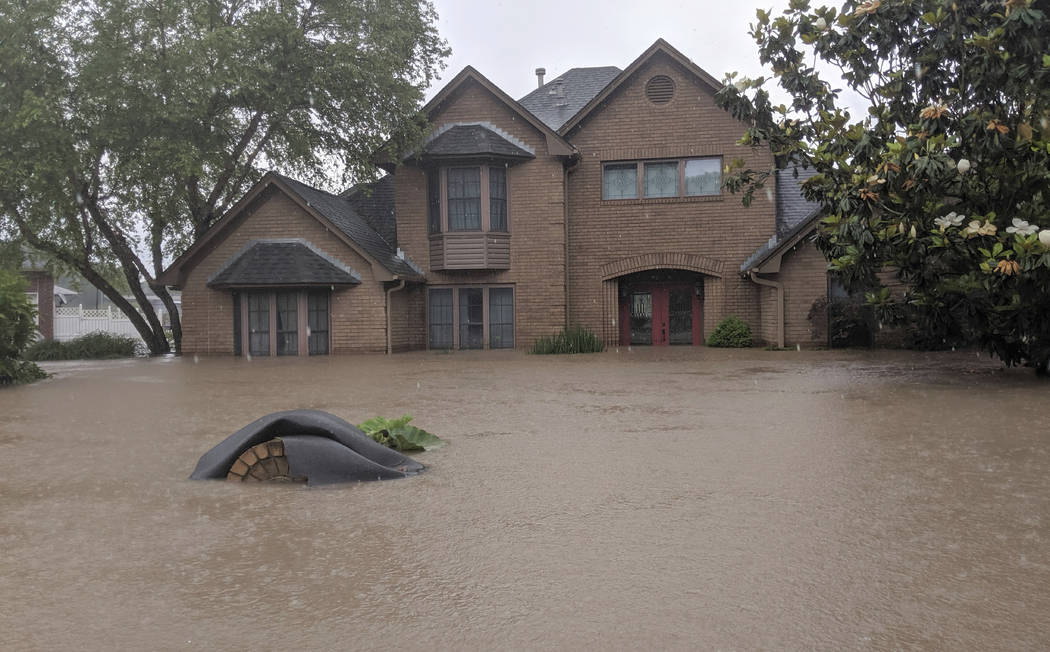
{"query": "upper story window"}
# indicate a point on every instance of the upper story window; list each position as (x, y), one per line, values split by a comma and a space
(693, 177)
(467, 198)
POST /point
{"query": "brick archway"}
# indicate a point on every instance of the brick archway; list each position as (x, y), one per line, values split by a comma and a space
(662, 260)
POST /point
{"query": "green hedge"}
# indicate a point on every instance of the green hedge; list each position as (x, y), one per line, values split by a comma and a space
(575, 339)
(17, 329)
(93, 346)
(733, 332)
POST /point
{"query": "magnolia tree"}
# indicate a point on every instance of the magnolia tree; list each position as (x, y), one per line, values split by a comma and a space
(130, 126)
(944, 181)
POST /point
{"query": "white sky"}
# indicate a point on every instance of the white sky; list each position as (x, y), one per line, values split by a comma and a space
(506, 40)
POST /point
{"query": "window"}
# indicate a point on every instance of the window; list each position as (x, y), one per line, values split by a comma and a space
(497, 199)
(287, 323)
(441, 319)
(475, 199)
(434, 201)
(259, 324)
(317, 323)
(661, 179)
(501, 318)
(680, 178)
(703, 176)
(464, 199)
(620, 181)
(471, 318)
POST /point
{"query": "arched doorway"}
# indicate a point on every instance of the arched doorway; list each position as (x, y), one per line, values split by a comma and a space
(661, 307)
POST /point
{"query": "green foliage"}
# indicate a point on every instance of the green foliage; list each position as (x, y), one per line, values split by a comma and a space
(397, 434)
(732, 332)
(574, 339)
(946, 178)
(93, 346)
(130, 126)
(17, 329)
(850, 324)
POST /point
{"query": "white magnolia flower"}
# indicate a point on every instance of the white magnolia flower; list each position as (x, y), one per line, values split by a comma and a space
(963, 166)
(1020, 227)
(820, 24)
(1044, 237)
(951, 219)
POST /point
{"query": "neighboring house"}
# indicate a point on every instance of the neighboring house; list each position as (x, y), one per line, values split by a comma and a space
(87, 296)
(41, 292)
(596, 200)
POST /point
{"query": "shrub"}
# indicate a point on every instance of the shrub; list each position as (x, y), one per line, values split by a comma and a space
(575, 339)
(397, 434)
(93, 346)
(17, 329)
(733, 332)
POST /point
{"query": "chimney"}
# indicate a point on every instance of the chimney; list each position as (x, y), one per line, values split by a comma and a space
(540, 72)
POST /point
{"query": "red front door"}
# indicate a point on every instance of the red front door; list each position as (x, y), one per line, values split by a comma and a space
(660, 314)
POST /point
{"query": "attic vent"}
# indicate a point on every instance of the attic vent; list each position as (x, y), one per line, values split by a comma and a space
(659, 89)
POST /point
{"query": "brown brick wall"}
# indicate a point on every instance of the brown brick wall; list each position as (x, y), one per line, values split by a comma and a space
(804, 273)
(408, 315)
(535, 216)
(629, 127)
(358, 313)
(44, 285)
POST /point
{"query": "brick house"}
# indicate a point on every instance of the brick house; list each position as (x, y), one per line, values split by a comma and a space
(596, 200)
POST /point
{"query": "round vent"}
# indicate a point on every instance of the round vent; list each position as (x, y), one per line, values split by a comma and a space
(659, 89)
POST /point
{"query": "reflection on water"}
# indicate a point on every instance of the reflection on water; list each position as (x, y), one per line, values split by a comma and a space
(665, 499)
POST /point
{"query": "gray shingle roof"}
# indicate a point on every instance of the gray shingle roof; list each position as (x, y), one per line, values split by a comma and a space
(340, 212)
(562, 97)
(473, 139)
(281, 263)
(792, 207)
(375, 202)
(795, 214)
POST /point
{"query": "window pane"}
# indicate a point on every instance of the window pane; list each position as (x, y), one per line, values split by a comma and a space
(661, 179)
(471, 319)
(259, 324)
(434, 200)
(317, 321)
(498, 199)
(287, 323)
(703, 176)
(237, 335)
(501, 318)
(440, 315)
(464, 199)
(620, 181)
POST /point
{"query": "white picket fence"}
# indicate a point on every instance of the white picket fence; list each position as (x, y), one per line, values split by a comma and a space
(74, 321)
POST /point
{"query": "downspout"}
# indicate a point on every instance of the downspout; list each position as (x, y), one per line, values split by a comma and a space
(779, 287)
(565, 222)
(389, 322)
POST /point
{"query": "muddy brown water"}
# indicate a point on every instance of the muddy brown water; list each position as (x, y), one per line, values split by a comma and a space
(677, 499)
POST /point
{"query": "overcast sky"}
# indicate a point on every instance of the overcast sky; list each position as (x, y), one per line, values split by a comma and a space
(506, 40)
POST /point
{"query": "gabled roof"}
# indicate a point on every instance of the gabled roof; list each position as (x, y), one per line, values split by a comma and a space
(340, 213)
(556, 145)
(660, 46)
(562, 97)
(375, 202)
(473, 140)
(334, 212)
(265, 263)
(796, 218)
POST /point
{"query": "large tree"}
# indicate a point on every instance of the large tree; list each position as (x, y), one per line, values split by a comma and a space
(130, 126)
(945, 179)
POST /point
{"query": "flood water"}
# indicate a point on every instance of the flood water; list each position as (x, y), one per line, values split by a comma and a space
(675, 499)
